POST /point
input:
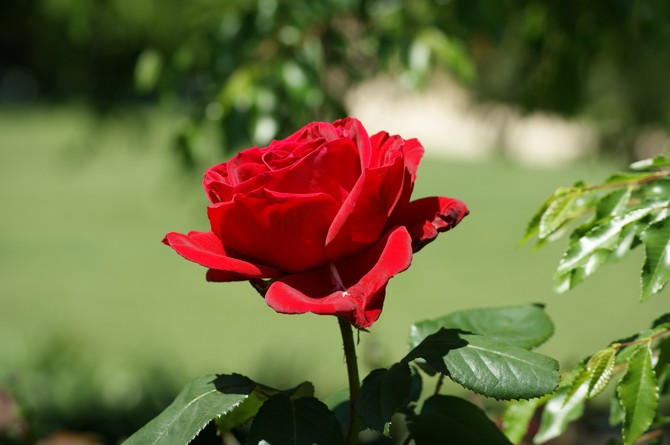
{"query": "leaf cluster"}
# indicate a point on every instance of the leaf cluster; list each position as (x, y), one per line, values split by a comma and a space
(487, 351)
(639, 366)
(607, 220)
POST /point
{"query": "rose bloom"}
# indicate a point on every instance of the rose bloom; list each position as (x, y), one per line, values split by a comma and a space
(320, 221)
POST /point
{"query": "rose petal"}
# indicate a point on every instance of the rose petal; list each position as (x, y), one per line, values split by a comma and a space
(426, 217)
(333, 170)
(364, 276)
(352, 128)
(364, 214)
(207, 250)
(284, 231)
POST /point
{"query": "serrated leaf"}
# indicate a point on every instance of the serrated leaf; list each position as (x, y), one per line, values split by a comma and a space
(303, 421)
(558, 413)
(196, 405)
(579, 273)
(559, 211)
(614, 203)
(616, 411)
(656, 267)
(533, 228)
(628, 240)
(383, 391)
(600, 366)
(581, 378)
(517, 416)
(638, 394)
(499, 370)
(449, 419)
(526, 326)
(602, 236)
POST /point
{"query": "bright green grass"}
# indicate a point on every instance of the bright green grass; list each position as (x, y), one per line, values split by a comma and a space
(85, 206)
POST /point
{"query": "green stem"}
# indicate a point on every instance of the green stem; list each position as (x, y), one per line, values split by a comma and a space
(354, 381)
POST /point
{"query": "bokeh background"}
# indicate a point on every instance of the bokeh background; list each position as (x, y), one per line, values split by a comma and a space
(110, 110)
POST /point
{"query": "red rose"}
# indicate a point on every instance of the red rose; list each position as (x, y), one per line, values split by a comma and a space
(324, 214)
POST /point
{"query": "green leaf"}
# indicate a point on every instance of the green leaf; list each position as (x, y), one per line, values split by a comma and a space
(559, 211)
(196, 405)
(614, 203)
(600, 368)
(602, 236)
(434, 346)
(526, 326)
(638, 393)
(542, 219)
(499, 370)
(616, 411)
(517, 416)
(662, 322)
(258, 394)
(591, 250)
(559, 411)
(655, 162)
(303, 421)
(449, 419)
(383, 391)
(656, 268)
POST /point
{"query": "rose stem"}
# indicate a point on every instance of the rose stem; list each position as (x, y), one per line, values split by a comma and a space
(354, 382)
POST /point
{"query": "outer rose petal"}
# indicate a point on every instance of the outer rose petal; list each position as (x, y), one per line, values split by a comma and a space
(365, 213)
(207, 250)
(364, 276)
(426, 217)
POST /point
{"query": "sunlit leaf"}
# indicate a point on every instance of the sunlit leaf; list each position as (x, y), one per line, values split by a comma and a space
(558, 413)
(603, 237)
(526, 326)
(655, 162)
(452, 420)
(616, 411)
(533, 229)
(560, 210)
(656, 268)
(638, 394)
(517, 417)
(198, 403)
(500, 370)
(302, 421)
(614, 203)
(600, 366)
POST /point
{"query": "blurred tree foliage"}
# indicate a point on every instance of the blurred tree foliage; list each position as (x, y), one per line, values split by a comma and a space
(256, 69)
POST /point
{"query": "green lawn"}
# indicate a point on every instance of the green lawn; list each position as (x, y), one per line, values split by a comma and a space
(85, 205)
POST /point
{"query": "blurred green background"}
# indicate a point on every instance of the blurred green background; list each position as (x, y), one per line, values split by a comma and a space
(110, 110)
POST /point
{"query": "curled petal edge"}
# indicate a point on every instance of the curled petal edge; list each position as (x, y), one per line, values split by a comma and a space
(206, 249)
(361, 302)
(425, 218)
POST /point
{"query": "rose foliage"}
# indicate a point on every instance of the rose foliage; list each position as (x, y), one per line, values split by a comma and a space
(320, 221)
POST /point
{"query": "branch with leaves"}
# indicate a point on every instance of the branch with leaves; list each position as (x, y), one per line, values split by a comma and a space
(607, 221)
